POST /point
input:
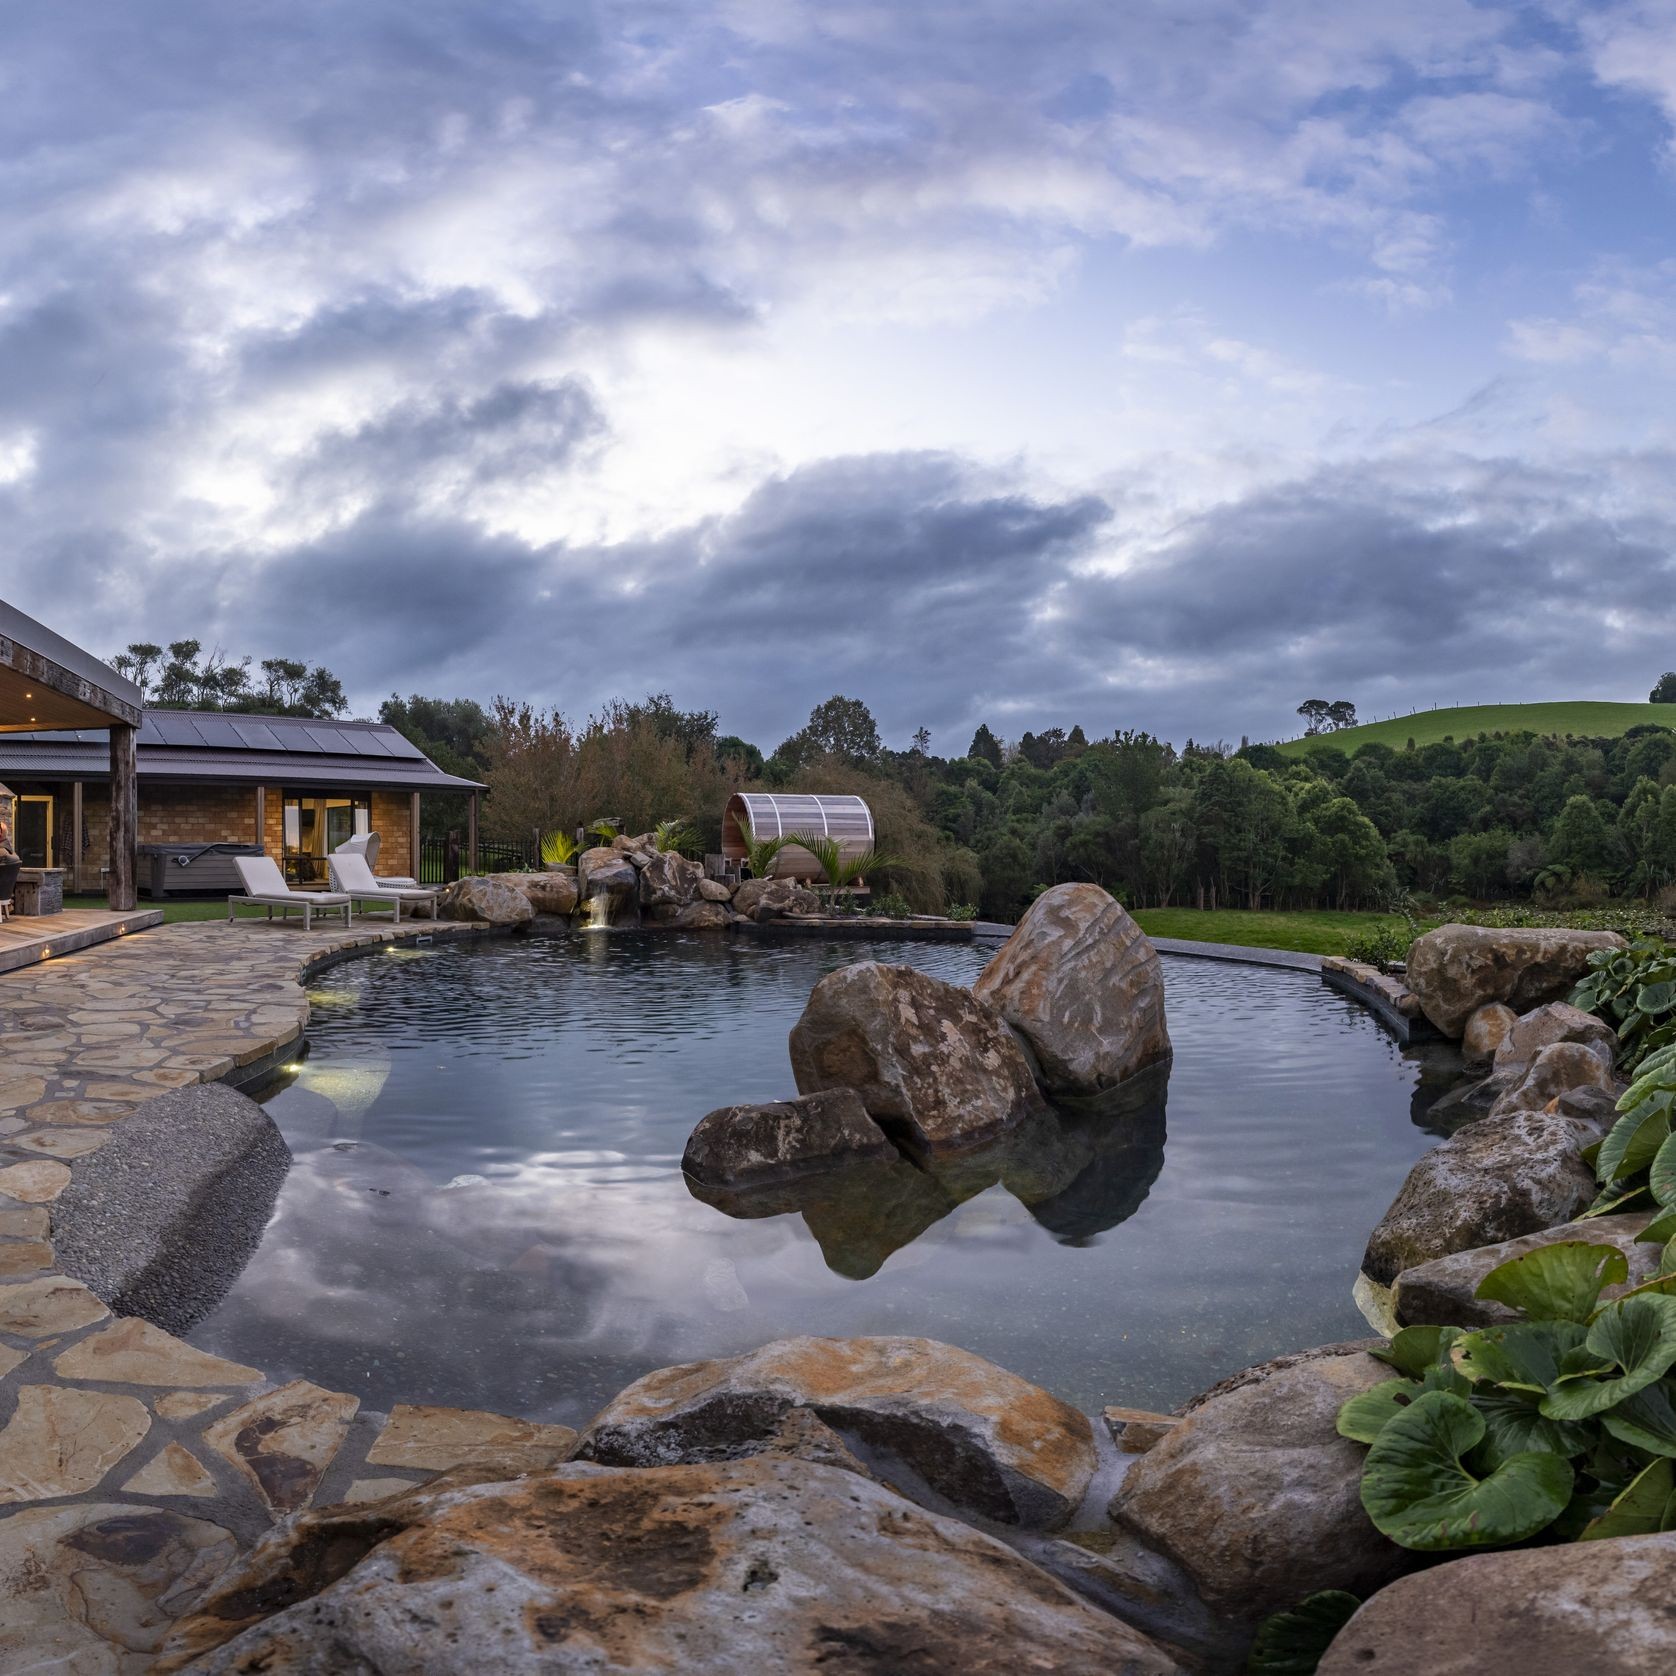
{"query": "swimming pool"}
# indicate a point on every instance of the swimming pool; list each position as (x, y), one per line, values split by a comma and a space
(487, 1207)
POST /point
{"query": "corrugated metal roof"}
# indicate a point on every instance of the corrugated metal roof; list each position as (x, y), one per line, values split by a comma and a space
(368, 754)
(218, 730)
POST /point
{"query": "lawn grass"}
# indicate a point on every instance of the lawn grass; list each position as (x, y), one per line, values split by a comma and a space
(1585, 718)
(1304, 930)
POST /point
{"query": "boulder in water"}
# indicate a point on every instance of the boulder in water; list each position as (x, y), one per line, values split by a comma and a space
(1081, 983)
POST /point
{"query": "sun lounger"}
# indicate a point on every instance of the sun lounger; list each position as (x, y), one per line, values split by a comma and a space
(351, 875)
(265, 887)
(367, 844)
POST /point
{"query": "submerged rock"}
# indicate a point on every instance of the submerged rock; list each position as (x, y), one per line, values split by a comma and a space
(1457, 969)
(987, 1441)
(1602, 1607)
(488, 899)
(1492, 1180)
(744, 1145)
(1442, 1293)
(934, 1067)
(1081, 983)
(758, 1565)
(1256, 1495)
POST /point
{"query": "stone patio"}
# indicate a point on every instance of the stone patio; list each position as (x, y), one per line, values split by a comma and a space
(26, 940)
(132, 1466)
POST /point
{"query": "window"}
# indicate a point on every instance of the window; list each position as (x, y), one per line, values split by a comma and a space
(315, 825)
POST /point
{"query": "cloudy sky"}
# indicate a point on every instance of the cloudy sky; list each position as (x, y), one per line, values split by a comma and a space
(1153, 364)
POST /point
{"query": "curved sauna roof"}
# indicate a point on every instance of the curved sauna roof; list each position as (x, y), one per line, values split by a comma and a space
(773, 814)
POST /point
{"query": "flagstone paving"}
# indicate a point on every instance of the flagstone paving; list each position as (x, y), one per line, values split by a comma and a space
(134, 1467)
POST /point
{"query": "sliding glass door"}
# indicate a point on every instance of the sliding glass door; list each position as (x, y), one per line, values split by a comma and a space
(315, 824)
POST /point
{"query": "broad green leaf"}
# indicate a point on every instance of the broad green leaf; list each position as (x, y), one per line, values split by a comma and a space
(1656, 997)
(1559, 1282)
(1661, 1229)
(1514, 1425)
(1661, 1174)
(1646, 1420)
(1615, 1198)
(1661, 1285)
(1634, 1139)
(1414, 1349)
(1364, 1415)
(1637, 1335)
(1655, 1071)
(1293, 1643)
(1418, 1492)
(1644, 1509)
(1526, 1356)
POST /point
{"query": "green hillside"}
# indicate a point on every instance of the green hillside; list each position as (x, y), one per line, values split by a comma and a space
(1426, 727)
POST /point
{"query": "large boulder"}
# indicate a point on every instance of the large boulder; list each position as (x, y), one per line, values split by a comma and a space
(1256, 1495)
(757, 1565)
(1457, 969)
(936, 1069)
(715, 890)
(1601, 1607)
(552, 891)
(766, 899)
(668, 878)
(739, 1146)
(1543, 1027)
(1557, 1069)
(1081, 983)
(985, 1440)
(490, 900)
(1443, 1292)
(1492, 1180)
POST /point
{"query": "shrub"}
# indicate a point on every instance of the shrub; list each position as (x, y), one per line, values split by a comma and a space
(1384, 947)
(963, 911)
(893, 905)
(1634, 990)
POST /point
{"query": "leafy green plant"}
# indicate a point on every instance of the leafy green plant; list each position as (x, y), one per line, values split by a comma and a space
(759, 852)
(893, 905)
(1561, 1424)
(605, 831)
(558, 848)
(1634, 990)
(963, 911)
(1636, 1163)
(1381, 947)
(842, 871)
(1292, 1643)
(676, 835)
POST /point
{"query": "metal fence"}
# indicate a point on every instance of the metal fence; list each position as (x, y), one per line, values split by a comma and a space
(442, 860)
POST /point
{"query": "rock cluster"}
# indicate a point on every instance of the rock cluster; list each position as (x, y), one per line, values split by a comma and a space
(1072, 1005)
(1516, 1166)
(628, 881)
(1456, 969)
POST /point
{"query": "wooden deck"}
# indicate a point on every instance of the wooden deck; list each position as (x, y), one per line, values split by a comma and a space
(26, 940)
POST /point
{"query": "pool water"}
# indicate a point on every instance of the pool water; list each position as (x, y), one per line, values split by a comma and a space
(487, 1206)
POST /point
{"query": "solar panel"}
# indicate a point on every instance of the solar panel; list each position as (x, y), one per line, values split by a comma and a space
(328, 739)
(217, 731)
(258, 736)
(176, 729)
(362, 743)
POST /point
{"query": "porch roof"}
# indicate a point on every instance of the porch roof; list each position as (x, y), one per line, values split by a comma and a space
(46, 682)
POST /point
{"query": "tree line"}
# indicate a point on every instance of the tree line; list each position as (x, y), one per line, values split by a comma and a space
(1498, 817)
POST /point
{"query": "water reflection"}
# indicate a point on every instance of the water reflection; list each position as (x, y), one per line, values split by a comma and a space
(1078, 1169)
(487, 1206)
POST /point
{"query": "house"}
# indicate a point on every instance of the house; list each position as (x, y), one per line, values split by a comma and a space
(294, 785)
